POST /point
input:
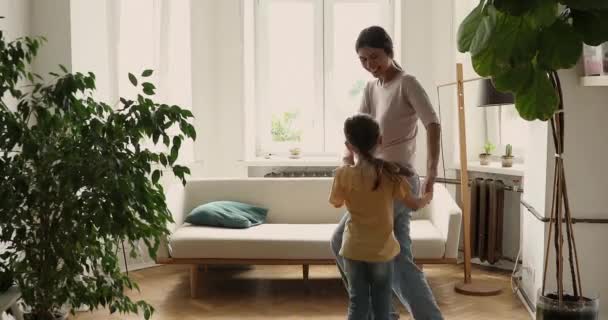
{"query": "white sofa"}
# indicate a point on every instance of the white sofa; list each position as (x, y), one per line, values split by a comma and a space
(298, 229)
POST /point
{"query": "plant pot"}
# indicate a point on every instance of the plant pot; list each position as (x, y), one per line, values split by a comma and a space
(507, 162)
(549, 308)
(484, 159)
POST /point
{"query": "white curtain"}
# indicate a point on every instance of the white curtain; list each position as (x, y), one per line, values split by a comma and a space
(115, 37)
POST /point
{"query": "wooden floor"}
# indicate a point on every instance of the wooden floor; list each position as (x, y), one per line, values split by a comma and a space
(278, 292)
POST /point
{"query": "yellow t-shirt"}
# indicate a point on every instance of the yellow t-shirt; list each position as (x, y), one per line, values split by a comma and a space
(368, 235)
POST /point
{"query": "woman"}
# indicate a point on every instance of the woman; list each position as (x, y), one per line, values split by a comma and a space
(397, 101)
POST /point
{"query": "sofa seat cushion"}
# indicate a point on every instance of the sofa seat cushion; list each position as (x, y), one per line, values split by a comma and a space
(427, 240)
(265, 241)
(283, 241)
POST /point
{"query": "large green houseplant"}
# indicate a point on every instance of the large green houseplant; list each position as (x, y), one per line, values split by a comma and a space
(77, 181)
(521, 44)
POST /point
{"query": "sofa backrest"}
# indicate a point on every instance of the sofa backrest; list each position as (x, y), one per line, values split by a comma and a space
(289, 200)
(297, 200)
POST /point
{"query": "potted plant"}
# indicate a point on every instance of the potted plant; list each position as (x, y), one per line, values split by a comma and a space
(507, 158)
(77, 179)
(521, 45)
(484, 158)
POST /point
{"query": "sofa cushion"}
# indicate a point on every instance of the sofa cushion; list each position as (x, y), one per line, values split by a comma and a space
(428, 242)
(283, 241)
(228, 214)
(265, 241)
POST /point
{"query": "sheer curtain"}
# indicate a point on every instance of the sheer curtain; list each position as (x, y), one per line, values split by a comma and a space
(115, 37)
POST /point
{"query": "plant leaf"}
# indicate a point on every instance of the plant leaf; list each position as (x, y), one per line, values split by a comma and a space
(514, 7)
(585, 4)
(515, 79)
(544, 14)
(63, 68)
(591, 25)
(538, 101)
(484, 32)
(468, 27)
(133, 79)
(560, 46)
(512, 41)
(147, 73)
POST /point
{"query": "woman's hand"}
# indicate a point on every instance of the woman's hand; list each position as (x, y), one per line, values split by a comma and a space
(426, 199)
(429, 182)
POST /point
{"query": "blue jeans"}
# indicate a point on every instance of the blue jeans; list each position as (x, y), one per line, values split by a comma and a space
(368, 282)
(408, 282)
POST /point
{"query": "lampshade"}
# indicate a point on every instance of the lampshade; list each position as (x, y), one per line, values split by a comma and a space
(492, 97)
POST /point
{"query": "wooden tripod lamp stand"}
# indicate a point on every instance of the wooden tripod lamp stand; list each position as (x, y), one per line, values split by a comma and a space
(468, 286)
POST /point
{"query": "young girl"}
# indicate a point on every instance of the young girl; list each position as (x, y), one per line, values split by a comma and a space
(369, 188)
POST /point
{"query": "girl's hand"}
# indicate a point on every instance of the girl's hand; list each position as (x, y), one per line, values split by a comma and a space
(426, 199)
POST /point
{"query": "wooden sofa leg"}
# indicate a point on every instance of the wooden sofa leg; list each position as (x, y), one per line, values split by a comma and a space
(305, 269)
(194, 277)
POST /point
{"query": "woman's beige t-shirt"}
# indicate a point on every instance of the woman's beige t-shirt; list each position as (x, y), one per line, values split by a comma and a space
(368, 235)
(397, 105)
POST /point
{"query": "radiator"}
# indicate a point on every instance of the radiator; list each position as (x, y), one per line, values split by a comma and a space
(487, 212)
(300, 173)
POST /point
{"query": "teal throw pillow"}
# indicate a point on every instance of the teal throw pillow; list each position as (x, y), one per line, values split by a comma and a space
(227, 214)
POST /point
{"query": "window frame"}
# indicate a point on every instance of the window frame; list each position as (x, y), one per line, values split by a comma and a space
(323, 73)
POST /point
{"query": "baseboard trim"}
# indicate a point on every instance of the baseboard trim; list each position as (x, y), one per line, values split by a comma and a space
(140, 266)
(523, 296)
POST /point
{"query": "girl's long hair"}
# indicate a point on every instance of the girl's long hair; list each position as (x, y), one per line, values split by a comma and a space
(362, 132)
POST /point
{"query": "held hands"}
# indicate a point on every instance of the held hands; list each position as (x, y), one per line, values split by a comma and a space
(425, 199)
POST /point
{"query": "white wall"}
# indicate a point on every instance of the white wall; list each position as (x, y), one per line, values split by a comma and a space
(51, 19)
(586, 148)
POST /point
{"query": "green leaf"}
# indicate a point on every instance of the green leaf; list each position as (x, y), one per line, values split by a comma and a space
(512, 42)
(147, 73)
(514, 7)
(468, 27)
(514, 79)
(484, 32)
(560, 47)
(538, 101)
(133, 79)
(63, 68)
(586, 4)
(591, 25)
(155, 176)
(544, 14)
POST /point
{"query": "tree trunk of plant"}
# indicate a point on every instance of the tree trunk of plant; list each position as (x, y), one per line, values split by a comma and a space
(560, 207)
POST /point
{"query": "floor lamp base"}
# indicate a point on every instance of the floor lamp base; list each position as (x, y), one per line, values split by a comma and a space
(478, 288)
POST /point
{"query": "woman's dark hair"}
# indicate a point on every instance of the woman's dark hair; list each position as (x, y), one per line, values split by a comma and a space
(362, 132)
(376, 37)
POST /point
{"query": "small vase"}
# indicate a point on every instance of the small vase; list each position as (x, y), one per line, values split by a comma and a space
(484, 159)
(549, 308)
(507, 162)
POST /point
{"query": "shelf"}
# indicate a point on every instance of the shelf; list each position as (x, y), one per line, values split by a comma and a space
(288, 162)
(594, 81)
(495, 167)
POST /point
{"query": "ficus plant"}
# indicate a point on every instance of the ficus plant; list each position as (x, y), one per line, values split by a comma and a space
(521, 45)
(77, 179)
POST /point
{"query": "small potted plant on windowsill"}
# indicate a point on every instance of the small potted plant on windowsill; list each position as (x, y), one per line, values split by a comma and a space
(507, 158)
(484, 158)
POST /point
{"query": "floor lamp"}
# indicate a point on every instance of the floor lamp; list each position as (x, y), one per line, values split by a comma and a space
(468, 286)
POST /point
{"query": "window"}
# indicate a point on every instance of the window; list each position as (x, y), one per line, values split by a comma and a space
(307, 76)
(504, 126)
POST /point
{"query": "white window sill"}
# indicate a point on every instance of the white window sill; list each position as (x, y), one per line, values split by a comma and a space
(495, 167)
(282, 161)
